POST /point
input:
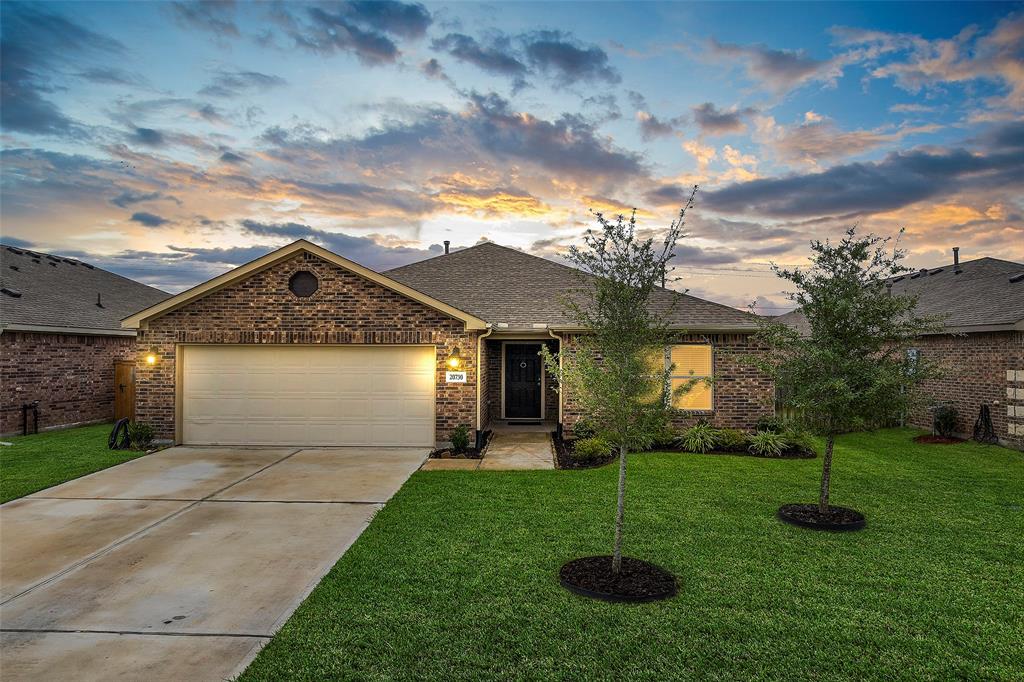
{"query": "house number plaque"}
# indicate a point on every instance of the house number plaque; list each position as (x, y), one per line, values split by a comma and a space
(456, 377)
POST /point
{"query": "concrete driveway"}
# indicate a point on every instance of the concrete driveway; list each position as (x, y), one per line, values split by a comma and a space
(182, 564)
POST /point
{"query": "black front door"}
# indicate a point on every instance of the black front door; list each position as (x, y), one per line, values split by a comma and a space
(522, 381)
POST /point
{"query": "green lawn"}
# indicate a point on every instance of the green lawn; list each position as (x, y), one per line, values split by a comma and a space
(46, 459)
(456, 577)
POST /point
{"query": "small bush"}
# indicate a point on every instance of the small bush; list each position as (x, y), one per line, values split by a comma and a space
(701, 437)
(584, 428)
(460, 438)
(767, 444)
(140, 435)
(664, 436)
(732, 440)
(770, 424)
(799, 439)
(590, 449)
(944, 420)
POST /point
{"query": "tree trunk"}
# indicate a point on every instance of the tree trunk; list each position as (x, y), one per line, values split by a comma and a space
(617, 554)
(826, 474)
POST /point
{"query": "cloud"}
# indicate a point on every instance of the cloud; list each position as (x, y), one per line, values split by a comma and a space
(130, 197)
(968, 56)
(652, 127)
(148, 219)
(235, 83)
(214, 16)
(365, 29)
(109, 75)
(33, 43)
(778, 70)
(554, 54)
(704, 154)
(713, 121)
(559, 55)
(147, 137)
(668, 195)
(820, 139)
(898, 180)
(497, 57)
(233, 158)
(368, 251)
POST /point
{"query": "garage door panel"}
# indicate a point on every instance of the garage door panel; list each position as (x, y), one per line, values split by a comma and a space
(308, 395)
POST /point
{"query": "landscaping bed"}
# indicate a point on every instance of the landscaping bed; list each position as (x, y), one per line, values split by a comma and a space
(457, 577)
(931, 439)
(637, 581)
(564, 455)
(467, 453)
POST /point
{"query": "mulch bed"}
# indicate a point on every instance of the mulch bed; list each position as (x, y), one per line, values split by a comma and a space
(637, 581)
(834, 518)
(929, 439)
(564, 458)
(468, 453)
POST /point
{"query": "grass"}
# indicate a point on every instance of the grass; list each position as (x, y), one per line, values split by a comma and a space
(456, 577)
(45, 459)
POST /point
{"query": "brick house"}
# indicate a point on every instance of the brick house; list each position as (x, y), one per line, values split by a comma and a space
(980, 349)
(60, 336)
(303, 346)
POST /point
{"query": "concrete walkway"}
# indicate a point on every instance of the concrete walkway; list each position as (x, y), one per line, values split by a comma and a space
(508, 450)
(179, 565)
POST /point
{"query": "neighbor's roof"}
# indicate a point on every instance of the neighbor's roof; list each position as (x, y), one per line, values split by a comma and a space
(42, 292)
(986, 295)
(506, 286)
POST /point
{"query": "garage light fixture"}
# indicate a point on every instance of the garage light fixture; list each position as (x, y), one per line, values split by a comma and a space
(454, 359)
(152, 356)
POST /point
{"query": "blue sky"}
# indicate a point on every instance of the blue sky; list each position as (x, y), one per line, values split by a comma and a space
(172, 141)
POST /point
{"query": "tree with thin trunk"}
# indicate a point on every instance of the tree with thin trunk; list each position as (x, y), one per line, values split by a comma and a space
(847, 368)
(616, 371)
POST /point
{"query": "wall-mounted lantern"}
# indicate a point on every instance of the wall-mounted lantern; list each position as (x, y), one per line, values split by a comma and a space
(152, 355)
(454, 359)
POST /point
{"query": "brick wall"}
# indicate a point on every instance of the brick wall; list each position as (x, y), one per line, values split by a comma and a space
(346, 309)
(741, 393)
(978, 369)
(71, 376)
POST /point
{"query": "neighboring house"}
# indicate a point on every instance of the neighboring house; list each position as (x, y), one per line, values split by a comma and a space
(981, 347)
(60, 335)
(303, 346)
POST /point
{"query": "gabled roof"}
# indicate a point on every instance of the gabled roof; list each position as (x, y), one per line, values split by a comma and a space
(506, 286)
(43, 292)
(986, 295)
(140, 318)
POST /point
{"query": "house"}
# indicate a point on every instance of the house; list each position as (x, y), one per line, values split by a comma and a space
(60, 336)
(980, 348)
(305, 347)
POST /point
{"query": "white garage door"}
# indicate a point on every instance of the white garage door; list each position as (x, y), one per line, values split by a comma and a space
(308, 395)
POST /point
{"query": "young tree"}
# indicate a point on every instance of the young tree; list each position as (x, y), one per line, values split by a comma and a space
(610, 372)
(848, 368)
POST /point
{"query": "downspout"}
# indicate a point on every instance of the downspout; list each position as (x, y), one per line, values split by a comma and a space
(479, 376)
(561, 345)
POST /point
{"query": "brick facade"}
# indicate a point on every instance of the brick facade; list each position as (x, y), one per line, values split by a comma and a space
(346, 309)
(741, 394)
(978, 369)
(72, 377)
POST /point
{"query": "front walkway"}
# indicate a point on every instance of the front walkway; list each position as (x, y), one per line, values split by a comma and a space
(182, 564)
(510, 449)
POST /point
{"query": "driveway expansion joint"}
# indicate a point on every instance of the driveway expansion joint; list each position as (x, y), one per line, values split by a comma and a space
(137, 632)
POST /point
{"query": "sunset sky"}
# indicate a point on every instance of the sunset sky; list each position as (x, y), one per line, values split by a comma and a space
(170, 142)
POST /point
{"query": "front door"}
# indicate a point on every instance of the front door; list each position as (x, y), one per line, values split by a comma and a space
(522, 381)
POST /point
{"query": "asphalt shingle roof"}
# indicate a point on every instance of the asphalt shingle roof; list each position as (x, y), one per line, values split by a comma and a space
(62, 292)
(503, 285)
(981, 295)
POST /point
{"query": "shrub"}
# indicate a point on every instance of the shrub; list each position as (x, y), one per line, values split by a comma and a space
(460, 438)
(732, 440)
(584, 428)
(590, 449)
(770, 424)
(767, 444)
(944, 420)
(701, 437)
(140, 435)
(664, 436)
(800, 439)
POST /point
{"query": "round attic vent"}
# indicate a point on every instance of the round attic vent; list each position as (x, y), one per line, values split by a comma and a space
(303, 284)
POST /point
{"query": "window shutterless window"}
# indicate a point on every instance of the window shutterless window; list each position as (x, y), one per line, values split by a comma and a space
(692, 361)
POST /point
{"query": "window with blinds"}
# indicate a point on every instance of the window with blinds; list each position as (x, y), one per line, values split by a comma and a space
(692, 361)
